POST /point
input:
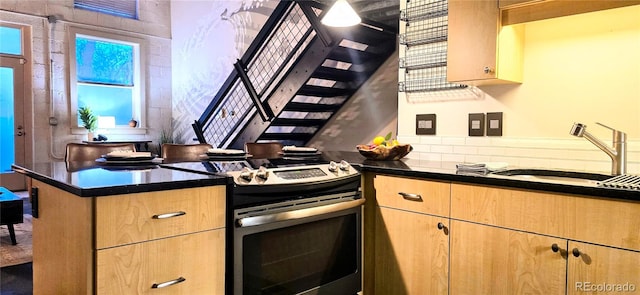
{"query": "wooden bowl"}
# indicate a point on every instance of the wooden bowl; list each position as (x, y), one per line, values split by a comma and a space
(384, 153)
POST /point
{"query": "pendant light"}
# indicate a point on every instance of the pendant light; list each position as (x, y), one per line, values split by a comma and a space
(341, 14)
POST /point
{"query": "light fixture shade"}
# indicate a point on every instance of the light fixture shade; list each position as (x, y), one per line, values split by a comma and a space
(341, 14)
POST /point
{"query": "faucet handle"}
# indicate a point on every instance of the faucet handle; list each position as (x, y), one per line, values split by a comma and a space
(605, 126)
(617, 134)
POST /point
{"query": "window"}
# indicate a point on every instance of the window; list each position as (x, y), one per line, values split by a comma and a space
(11, 40)
(122, 8)
(107, 76)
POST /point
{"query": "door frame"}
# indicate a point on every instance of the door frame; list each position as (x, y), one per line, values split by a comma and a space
(15, 181)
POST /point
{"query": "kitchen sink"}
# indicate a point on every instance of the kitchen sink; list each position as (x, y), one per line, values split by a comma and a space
(557, 176)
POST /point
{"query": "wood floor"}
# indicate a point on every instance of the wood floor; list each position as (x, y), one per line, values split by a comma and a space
(17, 279)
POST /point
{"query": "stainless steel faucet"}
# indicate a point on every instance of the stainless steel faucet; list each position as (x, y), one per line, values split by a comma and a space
(618, 153)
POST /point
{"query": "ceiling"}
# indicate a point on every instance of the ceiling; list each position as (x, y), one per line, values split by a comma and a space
(386, 12)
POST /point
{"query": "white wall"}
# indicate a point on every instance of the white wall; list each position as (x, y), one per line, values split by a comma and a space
(371, 111)
(583, 68)
(208, 38)
(153, 26)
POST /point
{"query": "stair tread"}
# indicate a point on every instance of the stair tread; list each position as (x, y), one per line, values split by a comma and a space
(311, 107)
(320, 91)
(297, 122)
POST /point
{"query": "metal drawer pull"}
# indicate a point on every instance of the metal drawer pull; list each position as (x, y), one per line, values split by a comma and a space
(297, 214)
(168, 215)
(411, 197)
(169, 283)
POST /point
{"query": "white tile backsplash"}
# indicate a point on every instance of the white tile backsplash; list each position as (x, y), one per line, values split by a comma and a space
(524, 152)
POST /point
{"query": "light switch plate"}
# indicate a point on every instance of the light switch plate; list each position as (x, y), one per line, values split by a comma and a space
(476, 124)
(494, 124)
(426, 124)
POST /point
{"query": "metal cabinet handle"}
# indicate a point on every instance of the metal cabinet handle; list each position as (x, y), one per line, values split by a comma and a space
(297, 214)
(443, 228)
(411, 197)
(555, 247)
(575, 252)
(168, 215)
(168, 283)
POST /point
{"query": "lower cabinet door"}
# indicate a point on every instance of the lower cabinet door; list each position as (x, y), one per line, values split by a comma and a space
(597, 269)
(491, 260)
(186, 264)
(411, 253)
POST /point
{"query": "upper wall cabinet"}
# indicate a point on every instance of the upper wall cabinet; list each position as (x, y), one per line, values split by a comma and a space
(522, 11)
(512, 3)
(480, 50)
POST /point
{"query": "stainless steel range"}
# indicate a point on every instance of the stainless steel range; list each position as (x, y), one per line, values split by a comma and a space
(296, 226)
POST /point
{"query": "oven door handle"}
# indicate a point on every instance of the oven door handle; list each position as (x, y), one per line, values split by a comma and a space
(297, 214)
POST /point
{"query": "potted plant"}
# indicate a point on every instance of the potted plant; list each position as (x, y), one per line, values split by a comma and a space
(89, 121)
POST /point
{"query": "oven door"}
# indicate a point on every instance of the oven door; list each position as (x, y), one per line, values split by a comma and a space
(309, 250)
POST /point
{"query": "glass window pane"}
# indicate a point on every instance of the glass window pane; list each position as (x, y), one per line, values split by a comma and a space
(11, 41)
(123, 8)
(104, 62)
(107, 101)
(7, 148)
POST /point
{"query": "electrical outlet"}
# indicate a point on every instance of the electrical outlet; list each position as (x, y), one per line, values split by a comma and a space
(426, 124)
(494, 124)
(476, 124)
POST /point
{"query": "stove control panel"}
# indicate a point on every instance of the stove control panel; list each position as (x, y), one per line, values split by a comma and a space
(292, 175)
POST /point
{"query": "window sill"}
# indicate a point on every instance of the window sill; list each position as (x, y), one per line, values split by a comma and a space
(112, 131)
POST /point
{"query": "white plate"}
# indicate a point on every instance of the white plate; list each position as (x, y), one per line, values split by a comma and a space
(295, 149)
(225, 152)
(225, 157)
(127, 162)
(301, 154)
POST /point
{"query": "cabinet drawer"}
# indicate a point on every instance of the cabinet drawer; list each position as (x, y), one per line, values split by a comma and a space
(139, 217)
(133, 269)
(602, 221)
(424, 196)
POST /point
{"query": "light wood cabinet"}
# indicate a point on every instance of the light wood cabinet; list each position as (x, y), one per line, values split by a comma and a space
(563, 215)
(423, 196)
(124, 244)
(136, 268)
(412, 253)
(523, 11)
(602, 270)
(480, 50)
(514, 3)
(491, 260)
(604, 232)
(411, 236)
(497, 240)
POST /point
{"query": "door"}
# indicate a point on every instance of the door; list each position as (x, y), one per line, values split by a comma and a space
(12, 121)
(598, 269)
(493, 260)
(411, 253)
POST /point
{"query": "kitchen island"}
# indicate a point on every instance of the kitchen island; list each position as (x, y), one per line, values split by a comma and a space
(124, 230)
(430, 229)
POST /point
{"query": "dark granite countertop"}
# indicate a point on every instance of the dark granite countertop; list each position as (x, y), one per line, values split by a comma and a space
(88, 179)
(447, 171)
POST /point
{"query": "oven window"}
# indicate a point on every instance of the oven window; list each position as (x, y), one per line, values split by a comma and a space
(294, 259)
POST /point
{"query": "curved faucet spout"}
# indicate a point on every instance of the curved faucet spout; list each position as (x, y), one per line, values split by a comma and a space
(618, 153)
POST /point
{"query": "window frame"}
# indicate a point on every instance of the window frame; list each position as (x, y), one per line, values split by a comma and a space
(139, 80)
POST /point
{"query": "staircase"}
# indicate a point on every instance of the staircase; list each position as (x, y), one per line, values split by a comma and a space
(294, 77)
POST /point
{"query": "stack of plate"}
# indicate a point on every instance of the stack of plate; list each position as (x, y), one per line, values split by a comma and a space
(226, 154)
(127, 158)
(299, 152)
